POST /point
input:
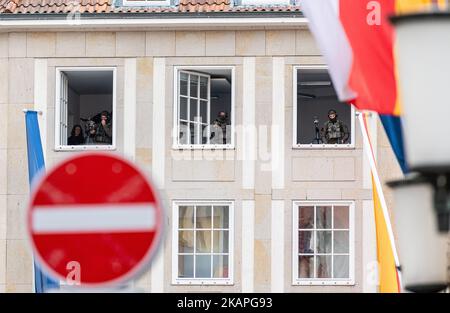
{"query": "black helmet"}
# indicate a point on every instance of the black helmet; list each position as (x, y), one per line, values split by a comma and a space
(332, 111)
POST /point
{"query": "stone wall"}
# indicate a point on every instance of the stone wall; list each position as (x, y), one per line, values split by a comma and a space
(307, 174)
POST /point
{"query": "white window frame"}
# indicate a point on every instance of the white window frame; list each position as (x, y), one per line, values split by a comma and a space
(198, 98)
(295, 145)
(265, 2)
(58, 81)
(145, 3)
(176, 104)
(320, 281)
(202, 281)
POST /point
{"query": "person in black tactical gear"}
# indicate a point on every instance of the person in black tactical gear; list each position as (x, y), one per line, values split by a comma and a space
(103, 134)
(91, 131)
(334, 131)
(219, 129)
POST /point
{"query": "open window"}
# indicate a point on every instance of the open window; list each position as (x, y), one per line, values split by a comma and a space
(323, 243)
(204, 107)
(85, 105)
(203, 243)
(315, 101)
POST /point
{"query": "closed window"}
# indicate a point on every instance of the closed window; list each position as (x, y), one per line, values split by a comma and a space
(142, 3)
(263, 2)
(203, 245)
(85, 105)
(323, 243)
(320, 119)
(204, 108)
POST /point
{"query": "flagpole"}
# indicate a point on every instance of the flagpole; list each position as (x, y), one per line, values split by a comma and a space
(378, 186)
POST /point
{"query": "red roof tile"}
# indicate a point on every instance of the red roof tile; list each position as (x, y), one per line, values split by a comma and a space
(106, 6)
(204, 5)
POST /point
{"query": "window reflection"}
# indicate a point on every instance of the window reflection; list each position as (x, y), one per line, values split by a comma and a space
(323, 241)
(203, 241)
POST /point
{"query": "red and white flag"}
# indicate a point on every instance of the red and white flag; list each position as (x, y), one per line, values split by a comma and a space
(356, 40)
(326, 26)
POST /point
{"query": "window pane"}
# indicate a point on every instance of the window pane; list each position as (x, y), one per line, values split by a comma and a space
(220, 266)
(315, 97)
(217, 134)
(323, 217)
(186, 241)
(184, 133)
(192, 133)
(185, 266)
(205, 134)
(220, 241)
(78, 104)
(305, 266)
(341, 242)
(203, 241)
(220, 217)
(183, 108)
(228, 134)
(186, 217)
(203, 266)
(323, 242)
(198, 133)
(204, 111)
(183, 84)
(203, 87)
(193, 110)
(305, 217)
(341, 266)
(323, 266)
(194, 86)
(203, 217)
(305, 242)
(341, 217)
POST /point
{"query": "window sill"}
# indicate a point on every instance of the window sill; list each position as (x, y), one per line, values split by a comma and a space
(323, 283)
(86, 148)
(203, 282)
(323, 147)
(203, 147)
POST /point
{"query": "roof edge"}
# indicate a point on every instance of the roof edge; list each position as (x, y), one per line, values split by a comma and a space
(151, 15)
(154, 21)
(10, 6)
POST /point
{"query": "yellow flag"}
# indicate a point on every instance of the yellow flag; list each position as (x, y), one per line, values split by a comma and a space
(386, 251)
(414, 6)
(387, 270)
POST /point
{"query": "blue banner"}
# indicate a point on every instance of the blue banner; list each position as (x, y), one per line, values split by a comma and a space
(393, 127)
(36, 167)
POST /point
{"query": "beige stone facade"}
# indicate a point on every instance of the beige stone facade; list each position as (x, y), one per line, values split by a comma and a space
(27, 81)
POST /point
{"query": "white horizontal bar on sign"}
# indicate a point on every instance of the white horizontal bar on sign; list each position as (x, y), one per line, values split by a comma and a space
(131, 217)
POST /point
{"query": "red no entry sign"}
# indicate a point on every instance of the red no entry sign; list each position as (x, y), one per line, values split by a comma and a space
(98, 214)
